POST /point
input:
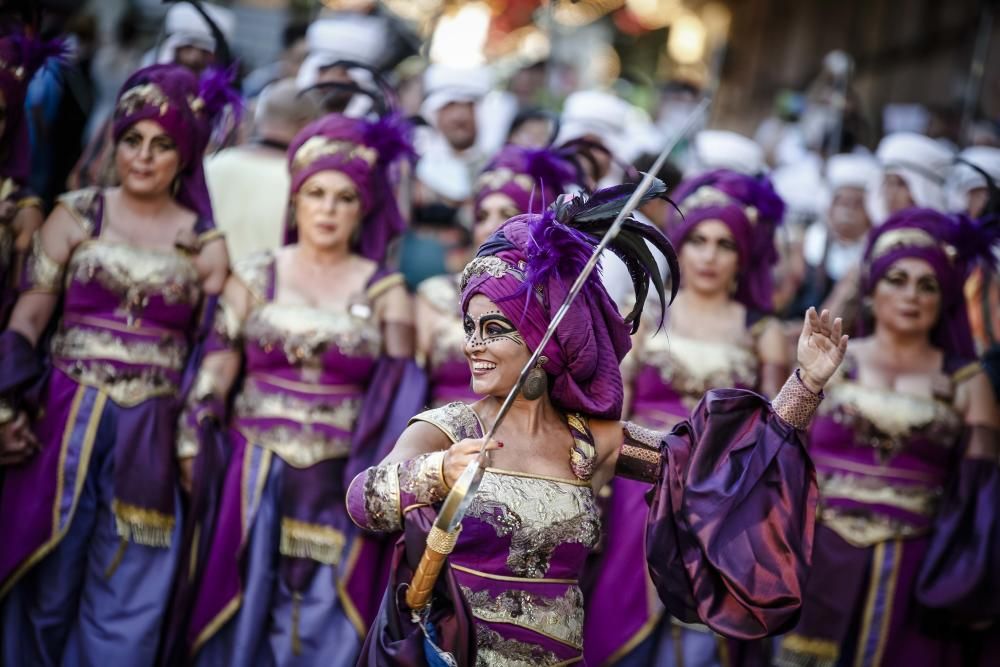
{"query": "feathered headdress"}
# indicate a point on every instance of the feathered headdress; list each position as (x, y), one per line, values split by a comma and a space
(532, 177)
(751, 209)
(21, 56)
(364, 150)
(953, 245)
(527, 267)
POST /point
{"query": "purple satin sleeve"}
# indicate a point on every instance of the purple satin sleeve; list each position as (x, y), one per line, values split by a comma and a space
(20, 365)
(394, 640)
(395, 393)
(730, 530)
(960, 573)
(202, 510)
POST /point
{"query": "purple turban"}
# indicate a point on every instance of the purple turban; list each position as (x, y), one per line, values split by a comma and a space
(364, 151)
(953, 245)
(751, 209)
(532, 178)
(187, 109)
(527, 268)
(20, 58)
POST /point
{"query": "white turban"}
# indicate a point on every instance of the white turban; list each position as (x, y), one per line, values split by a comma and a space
(185, 26)
(921, 162)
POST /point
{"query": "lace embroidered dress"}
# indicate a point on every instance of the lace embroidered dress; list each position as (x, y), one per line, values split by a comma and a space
(306, 373)
(107, 426)
(896, 518)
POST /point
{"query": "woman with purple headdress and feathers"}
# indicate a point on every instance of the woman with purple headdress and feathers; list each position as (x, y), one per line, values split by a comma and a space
(312, 352)
(517, 180)
(729, 528)
(718, 332)
(906, 453)
(20, 210)
(95, 355)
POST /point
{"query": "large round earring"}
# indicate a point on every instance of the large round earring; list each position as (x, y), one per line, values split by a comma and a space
(537, 382)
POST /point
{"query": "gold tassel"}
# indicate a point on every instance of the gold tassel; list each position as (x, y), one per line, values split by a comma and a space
(309, 540)
(798, 651)
(141, 525)
(296, 608)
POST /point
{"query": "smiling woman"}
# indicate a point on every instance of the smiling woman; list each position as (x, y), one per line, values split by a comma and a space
(906, 449)
(91, 501)
(511, 593)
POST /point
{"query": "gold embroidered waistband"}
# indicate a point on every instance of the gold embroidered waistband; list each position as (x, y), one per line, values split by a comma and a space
(298, 447)
(300, 539)
(80, 343)
(503, 577)
(307, 387)
(124, 387)
(873, 491)
(559, 618)
(864, 529)
(256, 403)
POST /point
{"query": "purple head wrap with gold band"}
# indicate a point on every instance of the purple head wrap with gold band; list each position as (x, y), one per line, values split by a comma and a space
(20, 57)
(532, 178)
(364, 151)
(186, 109)
(527, 268)
(953, 245)
(751, 209)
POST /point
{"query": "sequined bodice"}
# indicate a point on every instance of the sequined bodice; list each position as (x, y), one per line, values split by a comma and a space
(306, 371)
(127, 312)
(882, 458)
(522, 548)
(447, 369)
(672, 373)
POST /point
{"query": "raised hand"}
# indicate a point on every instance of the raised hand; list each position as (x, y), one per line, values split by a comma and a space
(460, 455)
(822, 346)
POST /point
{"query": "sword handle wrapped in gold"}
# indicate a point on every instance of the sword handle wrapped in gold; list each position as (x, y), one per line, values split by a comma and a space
(439, 544)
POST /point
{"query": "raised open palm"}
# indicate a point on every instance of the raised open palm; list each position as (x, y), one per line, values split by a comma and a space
(822, 346)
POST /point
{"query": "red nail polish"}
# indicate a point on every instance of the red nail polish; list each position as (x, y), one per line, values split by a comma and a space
(500, 444)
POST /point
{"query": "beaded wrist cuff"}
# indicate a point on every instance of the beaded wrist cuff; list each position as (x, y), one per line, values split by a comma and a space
(795, 403)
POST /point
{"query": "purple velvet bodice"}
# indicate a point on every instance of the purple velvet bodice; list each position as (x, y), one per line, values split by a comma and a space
(883, 458)
(306, 371)
(672, 372)
(126, 312)
(522, 548)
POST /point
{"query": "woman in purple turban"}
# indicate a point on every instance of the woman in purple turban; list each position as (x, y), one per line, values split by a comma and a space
(324, 336)
(717, 333)
(90, 502)
(518, 180)
(905, 447)
(20, 210)
(729, 529)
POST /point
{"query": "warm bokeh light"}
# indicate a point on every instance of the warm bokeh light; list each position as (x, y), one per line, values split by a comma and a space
(460, 36)
(686, 42)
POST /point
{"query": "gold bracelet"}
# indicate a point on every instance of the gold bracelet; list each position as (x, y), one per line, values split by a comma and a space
(795, 403)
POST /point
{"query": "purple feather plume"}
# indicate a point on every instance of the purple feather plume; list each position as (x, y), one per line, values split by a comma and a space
(392, 138)
(36, 53)
(216, 89)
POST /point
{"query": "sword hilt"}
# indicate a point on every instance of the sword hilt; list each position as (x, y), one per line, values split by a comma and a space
(439, 545)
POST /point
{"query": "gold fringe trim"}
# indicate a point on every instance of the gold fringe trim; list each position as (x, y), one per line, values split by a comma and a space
(140, 525)
(800, 651)
(310, 540)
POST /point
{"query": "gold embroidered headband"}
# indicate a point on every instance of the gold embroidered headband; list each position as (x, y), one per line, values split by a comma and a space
(496, 179)
(910, 238)
(150, 94)
(318, 147)
(708, 195)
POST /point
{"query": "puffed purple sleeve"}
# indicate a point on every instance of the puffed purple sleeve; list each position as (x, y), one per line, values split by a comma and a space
(730, 529)
(959, 574)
